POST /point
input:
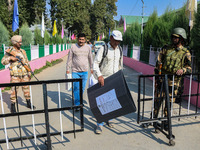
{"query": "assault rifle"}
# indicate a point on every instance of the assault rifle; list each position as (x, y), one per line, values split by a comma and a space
(24, 65)
(158, 80)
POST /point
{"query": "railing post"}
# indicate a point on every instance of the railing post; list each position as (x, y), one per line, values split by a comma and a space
(46, 116)
(170, 136)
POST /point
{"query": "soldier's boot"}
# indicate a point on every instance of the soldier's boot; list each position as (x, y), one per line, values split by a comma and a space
(13, 109)
(29, 104)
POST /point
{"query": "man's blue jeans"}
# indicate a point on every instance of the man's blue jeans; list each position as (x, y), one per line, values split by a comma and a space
(84, 76)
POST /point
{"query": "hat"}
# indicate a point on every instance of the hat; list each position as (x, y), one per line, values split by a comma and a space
(15, 39)
(117, 35)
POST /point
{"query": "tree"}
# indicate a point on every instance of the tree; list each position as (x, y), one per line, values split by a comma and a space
(161, 33)
(180, 20)
(132, 35)
(27, 35)
(47, 37)
(37, 37)
(102, 13)
(147, 34)
(195, 34)
(3, 31)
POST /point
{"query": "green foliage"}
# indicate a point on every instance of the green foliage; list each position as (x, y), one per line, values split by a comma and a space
(27, 36)
(48, 64)
(180, 19)
(161, 32)
(102, 12)
(37, 37)
(132, 35)
(195, 34)
(47, 37)
(29, 11)
(56, 39)
(147, 34)
(6, 89)
(4, 38)
(6, 16)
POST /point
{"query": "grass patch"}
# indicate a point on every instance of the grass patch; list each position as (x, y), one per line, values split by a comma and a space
(48, 64)
(6, 89)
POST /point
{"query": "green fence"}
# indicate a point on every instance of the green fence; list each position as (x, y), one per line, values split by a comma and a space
(50, 49)
(41, 51)
(61, 47)
(1, 56)
(144, 56)
(57, 48)
(130, 52)
(28, 51)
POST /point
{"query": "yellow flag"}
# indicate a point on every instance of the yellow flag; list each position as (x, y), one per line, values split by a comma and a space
(54, 28)
(98, 38)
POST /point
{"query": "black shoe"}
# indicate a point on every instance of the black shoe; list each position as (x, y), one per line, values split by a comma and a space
(13, 109)
(166, 126)
(145, 125)
(29, 104)
(109, 124)
(178, 100)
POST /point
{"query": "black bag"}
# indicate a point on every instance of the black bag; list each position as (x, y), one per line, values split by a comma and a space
(112, 100)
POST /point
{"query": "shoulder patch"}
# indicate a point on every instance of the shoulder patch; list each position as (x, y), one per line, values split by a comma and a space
(186, 50)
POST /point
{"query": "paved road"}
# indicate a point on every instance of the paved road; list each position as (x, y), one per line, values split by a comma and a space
(126, 135)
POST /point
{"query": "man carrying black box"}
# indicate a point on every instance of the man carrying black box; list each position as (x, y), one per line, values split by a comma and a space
(108, 61)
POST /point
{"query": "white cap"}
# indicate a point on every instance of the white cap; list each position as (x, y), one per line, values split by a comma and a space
(117, 35)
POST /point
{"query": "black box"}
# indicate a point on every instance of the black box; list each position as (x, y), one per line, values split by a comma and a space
(114, 98)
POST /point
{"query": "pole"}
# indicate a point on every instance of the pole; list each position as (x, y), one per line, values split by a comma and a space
(142, 22)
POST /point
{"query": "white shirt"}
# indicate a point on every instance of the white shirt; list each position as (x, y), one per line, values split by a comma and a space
(111, 63)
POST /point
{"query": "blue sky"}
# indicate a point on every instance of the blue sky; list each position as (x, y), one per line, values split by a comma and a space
(134, 7)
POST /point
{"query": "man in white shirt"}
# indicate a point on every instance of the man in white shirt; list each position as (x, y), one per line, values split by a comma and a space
(112, 62)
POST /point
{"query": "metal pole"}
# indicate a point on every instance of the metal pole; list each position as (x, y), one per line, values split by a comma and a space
(33, 120)
(4, 121)
(139, 80)
(81, 103)
(170, 136)
(142, 22)
(46, 117)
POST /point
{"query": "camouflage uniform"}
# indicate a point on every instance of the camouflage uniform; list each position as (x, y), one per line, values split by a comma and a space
(172, 60)
(17, 72)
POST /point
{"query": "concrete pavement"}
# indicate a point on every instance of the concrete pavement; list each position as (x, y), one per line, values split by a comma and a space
(126, 135)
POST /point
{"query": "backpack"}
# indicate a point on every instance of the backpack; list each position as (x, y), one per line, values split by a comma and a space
(105, 52)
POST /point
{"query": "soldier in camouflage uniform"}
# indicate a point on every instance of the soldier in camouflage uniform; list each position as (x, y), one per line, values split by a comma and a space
(175, 59)
(18, 72)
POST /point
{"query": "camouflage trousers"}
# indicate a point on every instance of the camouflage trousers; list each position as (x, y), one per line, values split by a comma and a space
(159, 102)
(25, 88)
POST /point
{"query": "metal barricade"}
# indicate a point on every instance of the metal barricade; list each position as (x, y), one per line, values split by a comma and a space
(157, 108)
(46, 111)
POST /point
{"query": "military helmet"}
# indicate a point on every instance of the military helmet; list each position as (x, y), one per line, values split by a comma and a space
(179, 32)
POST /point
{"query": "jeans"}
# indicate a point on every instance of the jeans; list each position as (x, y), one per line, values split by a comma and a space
(84, 76)
(100, 124)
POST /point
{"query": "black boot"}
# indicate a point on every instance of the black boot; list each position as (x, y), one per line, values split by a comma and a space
(29, 104)
(13, 109)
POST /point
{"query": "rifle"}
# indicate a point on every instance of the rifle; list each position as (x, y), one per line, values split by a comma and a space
(158, 80)
(20, 60)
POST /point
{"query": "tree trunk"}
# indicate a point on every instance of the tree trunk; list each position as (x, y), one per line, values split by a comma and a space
(9, 6)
